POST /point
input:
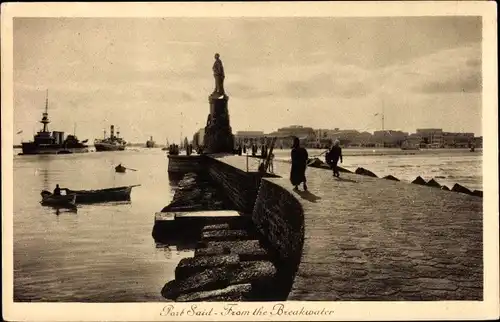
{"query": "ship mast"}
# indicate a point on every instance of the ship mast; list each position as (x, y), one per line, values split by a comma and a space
(45, 115)
(383, 119)
(181, 142)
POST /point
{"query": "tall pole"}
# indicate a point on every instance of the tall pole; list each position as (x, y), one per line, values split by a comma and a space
(383, 129)
(181, 131)
(247, 158)
(46, 101)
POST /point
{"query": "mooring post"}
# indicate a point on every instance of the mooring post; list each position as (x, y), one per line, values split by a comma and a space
(247, 159)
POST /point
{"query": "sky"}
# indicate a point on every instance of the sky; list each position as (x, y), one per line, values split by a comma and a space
(152, 76)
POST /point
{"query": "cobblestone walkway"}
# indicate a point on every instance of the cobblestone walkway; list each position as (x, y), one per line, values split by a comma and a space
(374, 239)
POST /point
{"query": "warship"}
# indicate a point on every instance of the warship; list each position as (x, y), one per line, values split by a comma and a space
(46, 142)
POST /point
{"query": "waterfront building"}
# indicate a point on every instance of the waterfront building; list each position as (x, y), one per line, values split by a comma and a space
(295, 130)
(353, 138)
(389, 138)
(414, 140)
(457, 140)
(432, 138)
(249, 137)
(306, 135)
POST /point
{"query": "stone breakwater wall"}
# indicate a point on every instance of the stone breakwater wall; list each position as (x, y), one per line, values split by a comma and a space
(229, 264)
(182, 164)
(240, 187)
(253, 257)
(276, 213)
(279, 216)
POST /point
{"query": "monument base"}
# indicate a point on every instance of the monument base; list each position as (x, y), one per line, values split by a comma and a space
(218, 134)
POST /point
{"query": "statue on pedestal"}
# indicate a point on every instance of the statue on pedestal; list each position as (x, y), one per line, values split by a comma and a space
(218, 70)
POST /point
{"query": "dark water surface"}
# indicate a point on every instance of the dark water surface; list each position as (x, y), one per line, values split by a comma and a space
(102, 253)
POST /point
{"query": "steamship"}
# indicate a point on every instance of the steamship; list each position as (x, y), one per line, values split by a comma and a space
(150, 143)
(46, 142)
(111, 143)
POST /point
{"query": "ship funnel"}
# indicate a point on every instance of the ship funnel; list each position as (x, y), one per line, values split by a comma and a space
(112, 131)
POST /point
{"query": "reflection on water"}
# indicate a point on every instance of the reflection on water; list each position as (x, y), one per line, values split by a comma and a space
(102, 252)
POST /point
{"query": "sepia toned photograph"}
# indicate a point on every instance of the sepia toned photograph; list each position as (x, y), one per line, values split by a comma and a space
(247, 165)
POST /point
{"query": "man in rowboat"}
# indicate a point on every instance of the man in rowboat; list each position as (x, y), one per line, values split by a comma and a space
(57, 190)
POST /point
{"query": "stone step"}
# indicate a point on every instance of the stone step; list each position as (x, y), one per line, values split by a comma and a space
(208, 279)
(259, 273)
(189, 266)
(224, 235)
(245, 249)
(231, 293)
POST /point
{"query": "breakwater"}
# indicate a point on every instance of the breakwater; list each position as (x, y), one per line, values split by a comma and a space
(355, 237)
(317, 163)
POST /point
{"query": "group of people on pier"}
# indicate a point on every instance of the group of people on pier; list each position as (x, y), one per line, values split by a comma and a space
(300, 159)
(254, 149)
(174, 149)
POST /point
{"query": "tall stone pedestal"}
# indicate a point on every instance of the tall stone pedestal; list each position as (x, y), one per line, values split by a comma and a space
(218, 134)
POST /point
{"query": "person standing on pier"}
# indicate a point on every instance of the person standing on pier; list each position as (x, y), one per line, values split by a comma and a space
(299, 164)
(271, 165)
(333, 157)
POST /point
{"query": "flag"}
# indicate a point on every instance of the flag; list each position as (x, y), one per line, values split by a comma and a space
(20, 132)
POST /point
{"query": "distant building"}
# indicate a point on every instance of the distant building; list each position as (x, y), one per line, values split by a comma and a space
(249, 137)
(432, 138)
(294, 130)
(389, 138)
(284, 135)
(458, 140)
(414, 140)
(348, 137)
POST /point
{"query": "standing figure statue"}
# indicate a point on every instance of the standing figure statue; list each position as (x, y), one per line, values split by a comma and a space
(219, 76)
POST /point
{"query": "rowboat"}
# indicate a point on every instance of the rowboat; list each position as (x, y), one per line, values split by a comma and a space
(120, 168)
(61, 201)
(102, 195)
(91, 196)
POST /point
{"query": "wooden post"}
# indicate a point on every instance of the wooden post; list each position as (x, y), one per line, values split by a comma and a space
(268, 158)
(247, 159)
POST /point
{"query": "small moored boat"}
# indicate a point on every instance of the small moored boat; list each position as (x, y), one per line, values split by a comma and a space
(103, 195)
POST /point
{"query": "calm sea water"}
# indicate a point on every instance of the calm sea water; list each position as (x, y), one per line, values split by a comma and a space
(105, 253)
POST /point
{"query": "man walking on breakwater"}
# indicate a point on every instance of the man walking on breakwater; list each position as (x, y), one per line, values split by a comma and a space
(333, 157)
(299, 163)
